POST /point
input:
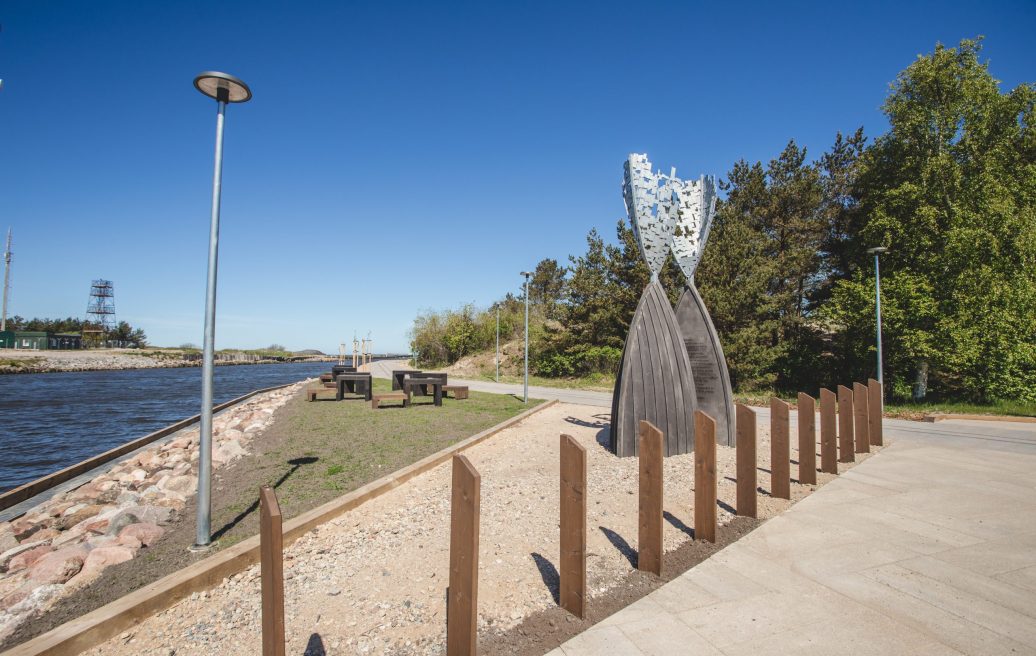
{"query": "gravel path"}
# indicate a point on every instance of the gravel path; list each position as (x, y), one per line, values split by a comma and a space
(374, 580)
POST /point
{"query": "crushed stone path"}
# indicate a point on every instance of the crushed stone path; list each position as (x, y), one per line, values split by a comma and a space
(927, 548)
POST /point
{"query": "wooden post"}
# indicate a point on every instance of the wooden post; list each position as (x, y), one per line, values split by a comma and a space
(807, 440)
(845, 425)
(780, 450)
(462, 606)
(862, 415)
(271, 556)
(572, 595)
(704, 477)
(828, 431)
(876, 403)
(649, 537)
(746, 461)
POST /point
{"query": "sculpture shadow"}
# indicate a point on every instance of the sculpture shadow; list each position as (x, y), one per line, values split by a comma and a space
(315, 646)
(549, 574)
(602, 422)
(678, 523)
(620, 543)
(295, 464)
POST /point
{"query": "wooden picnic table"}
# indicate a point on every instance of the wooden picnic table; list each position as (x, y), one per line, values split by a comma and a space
(355, 383)
(423, 389)
(413, 383)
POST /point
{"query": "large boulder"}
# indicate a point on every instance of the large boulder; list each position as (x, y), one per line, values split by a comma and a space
(228, 451)
(144, 533)
(99, 559)
(182, 484)
(59, 566)
(5, 557)
(28, 557)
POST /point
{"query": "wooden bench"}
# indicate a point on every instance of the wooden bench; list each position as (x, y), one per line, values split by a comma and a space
(311, 393)
(459, 391)
(385, 396)
(327, 378)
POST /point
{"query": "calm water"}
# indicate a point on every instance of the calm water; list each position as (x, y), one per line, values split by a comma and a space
(51, 421)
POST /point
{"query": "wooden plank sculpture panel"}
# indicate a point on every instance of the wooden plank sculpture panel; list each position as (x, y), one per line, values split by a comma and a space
(828, 432)
(271, 559)
(649, 536)
(876, 404)
(861, 415)
(746, 462)
(704, 477)
(807, 439)
(780, 449)
(572, 595)
(708, 366)
(845, 425)
(655, 382)
(462, 603)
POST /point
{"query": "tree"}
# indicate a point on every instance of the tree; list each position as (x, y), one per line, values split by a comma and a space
(951, 189)
(547, 287)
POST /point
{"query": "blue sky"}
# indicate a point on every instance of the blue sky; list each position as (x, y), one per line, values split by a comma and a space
(402, 156)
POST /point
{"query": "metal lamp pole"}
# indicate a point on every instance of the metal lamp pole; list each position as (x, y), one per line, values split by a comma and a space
(877, 251)
(498, 344)
(525, 396)
(224, 89)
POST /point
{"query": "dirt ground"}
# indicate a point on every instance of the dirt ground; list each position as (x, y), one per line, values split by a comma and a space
(312, 453)
(374, 580)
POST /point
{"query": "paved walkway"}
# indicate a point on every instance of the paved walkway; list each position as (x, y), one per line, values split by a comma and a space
(927, 548)
(383, 369)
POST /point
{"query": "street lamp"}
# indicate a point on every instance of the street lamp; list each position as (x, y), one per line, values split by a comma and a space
(526, 395)
(498, 343)
(223, 89)
(877, 251)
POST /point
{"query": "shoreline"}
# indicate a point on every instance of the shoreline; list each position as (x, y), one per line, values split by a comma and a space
(14, 362)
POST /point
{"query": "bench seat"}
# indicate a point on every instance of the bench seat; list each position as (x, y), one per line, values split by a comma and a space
(459, 391)
(385, 396)
(311, 393)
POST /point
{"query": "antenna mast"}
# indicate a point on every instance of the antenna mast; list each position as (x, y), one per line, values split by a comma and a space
(7, 280)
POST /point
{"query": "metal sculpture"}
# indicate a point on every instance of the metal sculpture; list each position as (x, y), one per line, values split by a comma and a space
(655, 380)
(696, 202)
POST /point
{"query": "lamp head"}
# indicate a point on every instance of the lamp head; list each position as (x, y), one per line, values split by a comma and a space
(526, 273)
(877, 250)
(223, 86)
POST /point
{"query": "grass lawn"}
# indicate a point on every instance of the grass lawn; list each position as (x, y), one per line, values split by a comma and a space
(1015, 408)
(593, 382)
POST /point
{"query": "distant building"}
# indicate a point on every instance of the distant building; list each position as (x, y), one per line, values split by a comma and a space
(7, 339)
(41, 341)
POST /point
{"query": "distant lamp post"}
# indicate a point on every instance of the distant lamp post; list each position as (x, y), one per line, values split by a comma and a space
(877, 251)
(498, 344)
(525, 396)
(223, 89)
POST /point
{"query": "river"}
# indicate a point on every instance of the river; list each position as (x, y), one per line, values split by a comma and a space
(50, 421)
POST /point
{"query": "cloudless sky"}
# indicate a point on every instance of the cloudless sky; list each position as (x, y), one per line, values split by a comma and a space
(403, 156)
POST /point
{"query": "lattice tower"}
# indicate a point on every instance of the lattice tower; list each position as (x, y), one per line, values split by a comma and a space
(100, 310)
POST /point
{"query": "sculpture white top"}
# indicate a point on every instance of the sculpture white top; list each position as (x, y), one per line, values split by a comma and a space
(668, 213)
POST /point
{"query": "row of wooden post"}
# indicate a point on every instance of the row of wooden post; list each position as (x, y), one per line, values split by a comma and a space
(859, 426)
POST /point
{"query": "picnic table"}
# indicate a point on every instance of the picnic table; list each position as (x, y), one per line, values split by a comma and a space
(399, 374)
(341, 369)
(423, 389)
(413, 383)
(355, 383)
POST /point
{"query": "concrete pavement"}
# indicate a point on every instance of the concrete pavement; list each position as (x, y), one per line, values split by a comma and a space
(927, 548)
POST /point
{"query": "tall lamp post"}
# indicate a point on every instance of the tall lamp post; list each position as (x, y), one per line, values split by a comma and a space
(498, 344)
(877, 251)
(223, 89)
(525, 396)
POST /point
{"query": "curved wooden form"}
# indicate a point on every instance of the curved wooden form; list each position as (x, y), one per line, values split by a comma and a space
(711, 378)
(655, 382)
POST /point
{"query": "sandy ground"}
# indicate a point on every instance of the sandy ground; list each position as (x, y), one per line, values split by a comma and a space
(374, 580)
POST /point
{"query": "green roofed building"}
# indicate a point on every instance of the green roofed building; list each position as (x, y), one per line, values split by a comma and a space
(37, 340)
(6, 339)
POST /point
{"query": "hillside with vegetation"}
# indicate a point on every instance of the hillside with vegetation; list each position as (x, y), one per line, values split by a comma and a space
(949, 188)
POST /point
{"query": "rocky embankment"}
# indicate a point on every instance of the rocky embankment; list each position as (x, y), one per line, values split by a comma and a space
(39, 362)
(66, 542)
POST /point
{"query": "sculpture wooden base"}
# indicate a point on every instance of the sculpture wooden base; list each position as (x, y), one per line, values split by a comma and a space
(711, 379)
(655, 380)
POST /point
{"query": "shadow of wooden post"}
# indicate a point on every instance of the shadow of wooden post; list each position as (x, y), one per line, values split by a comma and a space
(828, 433)
(271, 557)
(572, 591)
(746, 461)
(462, 603)
(780, 449)
(649, 535)
(876, 402)
(861, 414)
(845, 425)
(807, 439)
(704, 477)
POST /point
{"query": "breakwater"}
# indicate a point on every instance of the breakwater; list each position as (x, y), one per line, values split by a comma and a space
(53, 420)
